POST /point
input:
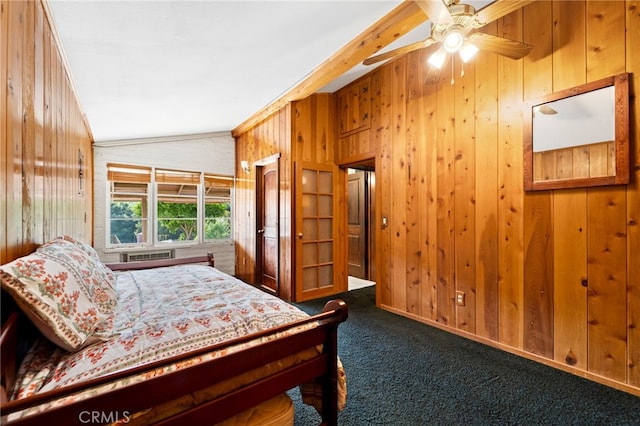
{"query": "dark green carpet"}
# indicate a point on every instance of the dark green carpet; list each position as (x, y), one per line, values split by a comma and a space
(402, 372)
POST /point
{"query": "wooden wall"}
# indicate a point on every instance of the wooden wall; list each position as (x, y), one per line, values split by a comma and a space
(270, 137)
(550, 275)
(301, 131)
(43, 134)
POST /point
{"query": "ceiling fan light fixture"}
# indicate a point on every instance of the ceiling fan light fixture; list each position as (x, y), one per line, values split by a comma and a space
(468, 51)
(437, 58)
(453, 41)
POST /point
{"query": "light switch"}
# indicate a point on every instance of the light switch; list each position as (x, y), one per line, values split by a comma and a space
(384, 221)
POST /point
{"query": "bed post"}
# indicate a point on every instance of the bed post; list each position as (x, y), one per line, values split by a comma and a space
(8, 350)
(330, 380)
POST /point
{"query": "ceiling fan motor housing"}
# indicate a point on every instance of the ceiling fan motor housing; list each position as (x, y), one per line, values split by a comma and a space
(462, 22)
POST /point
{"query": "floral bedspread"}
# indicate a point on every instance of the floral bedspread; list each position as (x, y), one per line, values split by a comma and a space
(161, 312)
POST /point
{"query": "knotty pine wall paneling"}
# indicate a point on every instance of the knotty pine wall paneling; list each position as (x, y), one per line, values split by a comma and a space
(549, 275)
(464, 195)
(29, 83)
(4, 153)
(445, 198)
(633, 198)
(569, 215)
(283, 129)
(606, 213)
(399, 194)
(43, 135)
(538, 229)
(510, 190)
(380, 125)
(413, 226)
(13, 159)
(429, 201)
(486, 194)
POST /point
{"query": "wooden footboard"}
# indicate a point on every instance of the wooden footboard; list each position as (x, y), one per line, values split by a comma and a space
(160, 389)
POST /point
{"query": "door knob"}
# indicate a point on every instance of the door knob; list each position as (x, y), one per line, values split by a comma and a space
(260, 231)
(300, 235)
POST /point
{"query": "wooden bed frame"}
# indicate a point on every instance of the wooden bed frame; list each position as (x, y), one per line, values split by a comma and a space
(149, 393)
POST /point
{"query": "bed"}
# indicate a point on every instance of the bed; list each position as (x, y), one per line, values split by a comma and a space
(159, 342)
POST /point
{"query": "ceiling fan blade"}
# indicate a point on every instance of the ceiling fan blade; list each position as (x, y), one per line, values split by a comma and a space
(435, 10)
(500, 45)
(399, 51)
(497, 10)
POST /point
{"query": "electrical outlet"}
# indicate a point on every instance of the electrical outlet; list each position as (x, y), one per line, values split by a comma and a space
(460, 298)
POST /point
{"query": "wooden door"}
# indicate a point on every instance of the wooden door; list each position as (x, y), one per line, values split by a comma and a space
(357, 229)
(315, 231)
(267, 227)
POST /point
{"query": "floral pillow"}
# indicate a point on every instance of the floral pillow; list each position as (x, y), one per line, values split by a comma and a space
(107, 273)
(68, 295)
(90, 251)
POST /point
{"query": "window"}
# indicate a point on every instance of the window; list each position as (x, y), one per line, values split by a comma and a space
(176, 206)
(157, 207)
(217, 207)
(129, 204)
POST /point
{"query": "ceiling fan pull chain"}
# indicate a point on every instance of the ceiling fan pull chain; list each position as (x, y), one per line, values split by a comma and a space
(453, 59)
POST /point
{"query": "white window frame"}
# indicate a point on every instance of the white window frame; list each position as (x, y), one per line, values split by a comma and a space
(152, 214)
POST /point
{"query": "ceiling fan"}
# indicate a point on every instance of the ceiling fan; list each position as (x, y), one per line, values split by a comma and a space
(454, 26)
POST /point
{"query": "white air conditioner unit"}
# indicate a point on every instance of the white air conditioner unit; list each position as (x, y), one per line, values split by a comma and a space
(147, 255)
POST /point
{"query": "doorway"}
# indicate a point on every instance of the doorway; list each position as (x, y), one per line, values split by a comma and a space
(360, 229)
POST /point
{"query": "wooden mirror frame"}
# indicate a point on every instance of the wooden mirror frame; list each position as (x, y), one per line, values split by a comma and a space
(621, 176)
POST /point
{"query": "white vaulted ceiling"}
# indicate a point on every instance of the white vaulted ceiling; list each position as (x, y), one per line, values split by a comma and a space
(160, 68)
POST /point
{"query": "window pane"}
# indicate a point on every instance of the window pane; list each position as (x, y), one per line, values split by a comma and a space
(310, 278)
(325, 205)
(217, 208)
(325, 229)
(217, 220)
(310, 229)
(309, 204)
(128, 207)
(309, 181)
(325, 276)
(325, 182)
(177, 209)
(325, 252)
(309, 254)
(128, 221)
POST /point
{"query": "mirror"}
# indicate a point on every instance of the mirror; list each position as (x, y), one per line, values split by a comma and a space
(578, 137)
